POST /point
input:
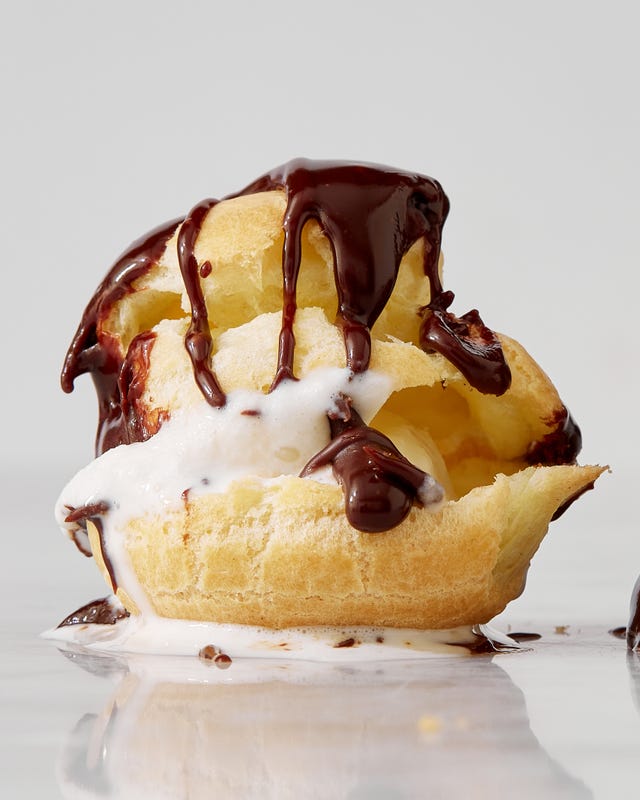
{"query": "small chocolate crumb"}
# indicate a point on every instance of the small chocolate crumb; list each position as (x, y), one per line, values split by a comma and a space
(215, 655)
(379, 639)
(350, 642)
(251, 412)
(205, 269)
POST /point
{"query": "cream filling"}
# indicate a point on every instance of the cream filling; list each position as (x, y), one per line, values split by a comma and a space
(203, 449)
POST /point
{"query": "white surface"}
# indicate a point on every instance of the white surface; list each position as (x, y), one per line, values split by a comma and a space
(121, 115)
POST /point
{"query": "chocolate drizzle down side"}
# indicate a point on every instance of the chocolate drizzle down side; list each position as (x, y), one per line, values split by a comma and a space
(76, 521)
(380, 485)
(93, 351)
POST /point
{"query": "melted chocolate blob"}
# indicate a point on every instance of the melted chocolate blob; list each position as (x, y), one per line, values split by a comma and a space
(100, 612)
(468, 344)
(371, 216)
(380, 484)
(93, 351)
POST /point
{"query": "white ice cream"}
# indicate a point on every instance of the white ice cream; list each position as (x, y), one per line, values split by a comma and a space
(204, 449)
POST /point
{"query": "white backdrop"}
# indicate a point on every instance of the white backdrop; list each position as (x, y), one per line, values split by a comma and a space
(120, 115)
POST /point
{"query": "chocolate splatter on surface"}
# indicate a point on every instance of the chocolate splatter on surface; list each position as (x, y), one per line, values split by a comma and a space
(99, 612)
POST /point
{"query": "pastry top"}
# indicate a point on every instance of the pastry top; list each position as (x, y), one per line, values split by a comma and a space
(359, 242)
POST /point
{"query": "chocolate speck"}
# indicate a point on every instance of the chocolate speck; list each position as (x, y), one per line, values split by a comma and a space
(205, 269)
(350, 642)
(251, 412)
(212, 654)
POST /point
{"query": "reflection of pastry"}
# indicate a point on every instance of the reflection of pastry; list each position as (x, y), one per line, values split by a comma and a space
(381, 731)
(343, 450)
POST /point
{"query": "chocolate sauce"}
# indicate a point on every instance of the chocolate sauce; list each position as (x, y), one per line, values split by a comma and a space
(467, 343)
(198, 338)
(93, 350)
(371, 216)
(560, 446)
(100, 612)
(94, 512)
(380, 484)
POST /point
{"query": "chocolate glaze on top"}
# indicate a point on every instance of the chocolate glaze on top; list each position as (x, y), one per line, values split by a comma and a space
(371, 216)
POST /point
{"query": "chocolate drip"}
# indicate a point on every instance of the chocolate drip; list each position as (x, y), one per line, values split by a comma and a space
(92, 350)
(198, 338)
(78, 517)
(372, 216)
(137, 423)
(467, 343)
(100, 612)
(633, 628)
(561, 446)
(380, 484)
